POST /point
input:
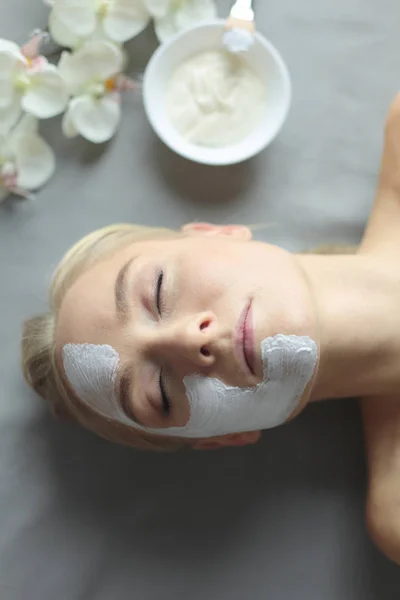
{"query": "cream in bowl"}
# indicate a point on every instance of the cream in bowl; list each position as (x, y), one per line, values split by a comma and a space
(215, 99)
(212, 106)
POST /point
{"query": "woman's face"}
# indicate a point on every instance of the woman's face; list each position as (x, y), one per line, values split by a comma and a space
(201, 303)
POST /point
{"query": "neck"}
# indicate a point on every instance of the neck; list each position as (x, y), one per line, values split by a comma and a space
(356, 299)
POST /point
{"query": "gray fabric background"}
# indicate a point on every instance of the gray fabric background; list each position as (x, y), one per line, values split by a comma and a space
(81, 519)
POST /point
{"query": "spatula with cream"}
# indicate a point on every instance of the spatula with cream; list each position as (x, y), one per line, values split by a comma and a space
(239, 29)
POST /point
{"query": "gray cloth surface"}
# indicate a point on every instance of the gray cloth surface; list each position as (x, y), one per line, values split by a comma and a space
(81, 519)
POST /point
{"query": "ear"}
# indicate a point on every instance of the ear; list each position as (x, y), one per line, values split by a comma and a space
(239, 232)
(225, 441)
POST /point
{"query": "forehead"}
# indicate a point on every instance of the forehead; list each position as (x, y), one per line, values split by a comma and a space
(87, 311)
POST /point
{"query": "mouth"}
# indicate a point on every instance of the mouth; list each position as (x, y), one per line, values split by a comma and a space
(244, 339)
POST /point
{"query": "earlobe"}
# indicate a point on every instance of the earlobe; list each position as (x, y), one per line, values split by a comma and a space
(200, 229)
(239, 232)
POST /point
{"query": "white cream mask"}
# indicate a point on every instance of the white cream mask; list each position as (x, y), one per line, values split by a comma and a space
(215, 408)
(215, 99)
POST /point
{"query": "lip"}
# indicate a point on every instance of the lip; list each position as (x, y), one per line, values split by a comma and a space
(244, 338)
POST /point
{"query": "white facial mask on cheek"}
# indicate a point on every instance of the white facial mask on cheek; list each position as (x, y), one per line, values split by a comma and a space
(215, 409)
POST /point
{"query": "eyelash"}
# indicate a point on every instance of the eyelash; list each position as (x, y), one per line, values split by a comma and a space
(159, 299)
(166, 404)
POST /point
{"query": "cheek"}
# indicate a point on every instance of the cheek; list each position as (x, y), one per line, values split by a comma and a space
(205, 288)
(200, 283)
(215, 278)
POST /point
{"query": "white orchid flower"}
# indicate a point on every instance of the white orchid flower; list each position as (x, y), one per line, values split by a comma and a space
(26, 161)
(28, 83)
(72, 22)
(93, 77)
(172, 16)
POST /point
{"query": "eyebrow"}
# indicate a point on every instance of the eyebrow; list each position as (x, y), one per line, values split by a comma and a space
(122, 304)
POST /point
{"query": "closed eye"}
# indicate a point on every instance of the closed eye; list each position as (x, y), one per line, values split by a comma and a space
(166, 403)
(159, 289)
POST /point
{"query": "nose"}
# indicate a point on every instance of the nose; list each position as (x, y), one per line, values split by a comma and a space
(191, 338)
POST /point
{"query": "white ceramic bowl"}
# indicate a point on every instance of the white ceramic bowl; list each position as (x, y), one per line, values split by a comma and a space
(264, 60)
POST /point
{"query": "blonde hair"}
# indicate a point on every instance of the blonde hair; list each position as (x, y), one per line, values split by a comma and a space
(39, 363)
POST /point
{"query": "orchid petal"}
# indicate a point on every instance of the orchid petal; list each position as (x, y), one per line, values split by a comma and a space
(186, 15)
(10, 59)
(165, 27)
(35, 161)
(12, 51)
(96, 120)
(61, 34)
(158, 8)
(95, 61)
(77, 16)
(68, 127)
(125, 19)
(99, 35)
(193, 12)
(47, 95)
(10, 115)
(27, 125)
(6, 91)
